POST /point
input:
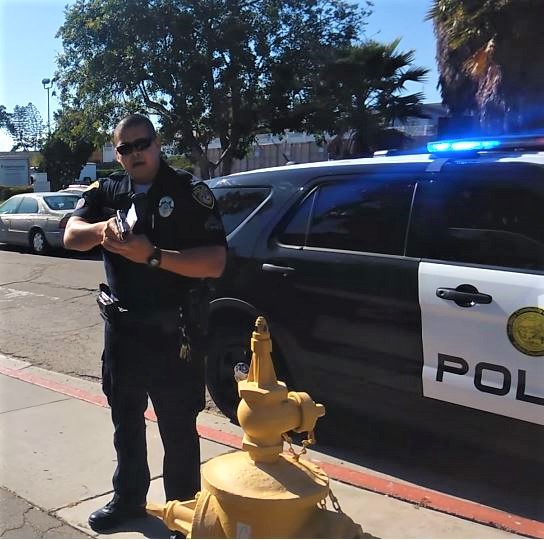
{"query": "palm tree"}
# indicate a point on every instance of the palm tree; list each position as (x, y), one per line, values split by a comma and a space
(485, 61)
(361, 91)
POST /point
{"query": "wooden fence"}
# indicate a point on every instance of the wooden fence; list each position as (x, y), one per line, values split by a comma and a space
(273, 155)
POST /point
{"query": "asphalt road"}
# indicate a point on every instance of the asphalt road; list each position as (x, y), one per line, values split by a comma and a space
(49, 312)
(49, 317)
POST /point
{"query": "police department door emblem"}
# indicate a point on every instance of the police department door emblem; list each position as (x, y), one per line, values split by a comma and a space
(525, 330)
(203, 194)
(166, 206)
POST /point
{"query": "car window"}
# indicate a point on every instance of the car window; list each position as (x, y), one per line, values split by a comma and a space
(28, 206)
(297, 228)
(492, 221)
(61, 202)
(10, 206)
(237, 202)
(364, 214)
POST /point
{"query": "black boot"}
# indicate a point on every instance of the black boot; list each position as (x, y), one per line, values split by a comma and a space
(115, 513)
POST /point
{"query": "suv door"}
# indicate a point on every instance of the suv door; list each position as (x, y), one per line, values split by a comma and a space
(340, 293)
(481, 232)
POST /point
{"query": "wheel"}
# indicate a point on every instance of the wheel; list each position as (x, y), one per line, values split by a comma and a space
(38, 243)
(228, 346)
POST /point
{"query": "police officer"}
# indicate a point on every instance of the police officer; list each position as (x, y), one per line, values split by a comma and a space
(151, 347)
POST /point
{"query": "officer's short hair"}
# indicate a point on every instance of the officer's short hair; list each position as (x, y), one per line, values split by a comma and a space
(133, 120)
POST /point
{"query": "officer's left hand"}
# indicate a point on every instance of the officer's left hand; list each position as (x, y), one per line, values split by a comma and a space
(136, 247)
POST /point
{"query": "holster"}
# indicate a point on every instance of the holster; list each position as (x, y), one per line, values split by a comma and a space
(196, 309)
(108, 304)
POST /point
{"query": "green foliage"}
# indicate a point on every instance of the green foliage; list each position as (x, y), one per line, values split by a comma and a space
(8, 191)
(484, 53)
(102, 172)
(229, 69)
(180, 162)
(206, 68)
(360, 90)
(63, 162)
(75, 125)
(5, 119)
(25, 126)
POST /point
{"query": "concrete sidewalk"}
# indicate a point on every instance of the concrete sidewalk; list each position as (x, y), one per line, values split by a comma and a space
(57, 459)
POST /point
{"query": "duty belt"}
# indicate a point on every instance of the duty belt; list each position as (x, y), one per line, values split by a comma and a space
(168, 318)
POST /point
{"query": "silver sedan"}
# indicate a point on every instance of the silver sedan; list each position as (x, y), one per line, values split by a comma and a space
(36, 220)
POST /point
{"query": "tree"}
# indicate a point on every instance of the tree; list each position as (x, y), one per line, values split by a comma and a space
(206, 68)
(360, 90)
(63, 162)
(76, 125)
(485, 61)
(26, 127)
(5, 119)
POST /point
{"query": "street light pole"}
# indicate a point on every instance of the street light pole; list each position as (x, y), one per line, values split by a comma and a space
(47, 84)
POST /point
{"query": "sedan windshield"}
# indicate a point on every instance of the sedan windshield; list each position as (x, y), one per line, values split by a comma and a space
(61, 202)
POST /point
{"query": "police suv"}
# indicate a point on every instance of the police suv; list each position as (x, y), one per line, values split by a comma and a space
(409, 287)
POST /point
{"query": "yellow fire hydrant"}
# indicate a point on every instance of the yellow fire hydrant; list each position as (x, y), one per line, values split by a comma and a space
(260, 492)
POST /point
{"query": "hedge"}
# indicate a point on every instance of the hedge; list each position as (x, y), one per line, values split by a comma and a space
(103, 173)
(8, 191)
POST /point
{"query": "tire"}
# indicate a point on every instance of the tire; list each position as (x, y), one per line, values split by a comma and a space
(38, 242)
(228, 346)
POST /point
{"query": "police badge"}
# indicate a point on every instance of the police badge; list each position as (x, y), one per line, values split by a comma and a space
(203, 195)
(166, 206)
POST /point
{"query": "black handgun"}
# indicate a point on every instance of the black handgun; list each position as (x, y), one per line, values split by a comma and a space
(122, 224)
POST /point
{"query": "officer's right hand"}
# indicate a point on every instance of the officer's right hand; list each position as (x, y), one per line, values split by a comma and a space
(111, 232)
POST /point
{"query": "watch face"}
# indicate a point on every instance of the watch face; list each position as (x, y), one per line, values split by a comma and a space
(155, 258)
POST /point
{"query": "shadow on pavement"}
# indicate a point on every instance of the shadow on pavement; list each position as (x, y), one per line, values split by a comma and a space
(504, 482)
(150, 527)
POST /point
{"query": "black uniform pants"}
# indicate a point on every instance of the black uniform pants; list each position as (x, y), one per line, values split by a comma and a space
(139, 362)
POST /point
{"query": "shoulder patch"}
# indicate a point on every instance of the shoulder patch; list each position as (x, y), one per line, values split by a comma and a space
(203, 195)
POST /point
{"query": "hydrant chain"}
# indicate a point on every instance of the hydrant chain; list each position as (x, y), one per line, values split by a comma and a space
(334, 501)
(310, 439)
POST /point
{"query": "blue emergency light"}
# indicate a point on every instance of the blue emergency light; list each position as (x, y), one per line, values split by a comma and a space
(520, 142)
(462, 145)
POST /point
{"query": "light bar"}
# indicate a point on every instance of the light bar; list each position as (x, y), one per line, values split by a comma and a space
(462, 146)
(520, 142)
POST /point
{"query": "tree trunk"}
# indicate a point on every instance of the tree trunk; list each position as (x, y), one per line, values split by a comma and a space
(200, 159)
(226, 164)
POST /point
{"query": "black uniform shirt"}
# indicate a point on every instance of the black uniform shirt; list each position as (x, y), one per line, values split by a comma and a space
(175, 214)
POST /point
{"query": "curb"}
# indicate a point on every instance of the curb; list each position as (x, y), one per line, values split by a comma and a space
(419, 496)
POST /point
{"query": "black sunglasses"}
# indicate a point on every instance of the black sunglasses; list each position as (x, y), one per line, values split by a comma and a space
(138, 145)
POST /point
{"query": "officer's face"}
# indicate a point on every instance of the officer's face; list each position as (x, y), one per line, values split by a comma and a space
(139, 160)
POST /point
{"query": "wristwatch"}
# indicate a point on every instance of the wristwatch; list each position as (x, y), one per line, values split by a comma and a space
(155, 258)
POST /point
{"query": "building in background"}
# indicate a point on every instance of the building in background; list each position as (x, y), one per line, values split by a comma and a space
(15, 168)
(422, 130)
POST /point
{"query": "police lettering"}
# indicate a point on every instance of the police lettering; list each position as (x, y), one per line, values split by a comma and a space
(459, 366)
